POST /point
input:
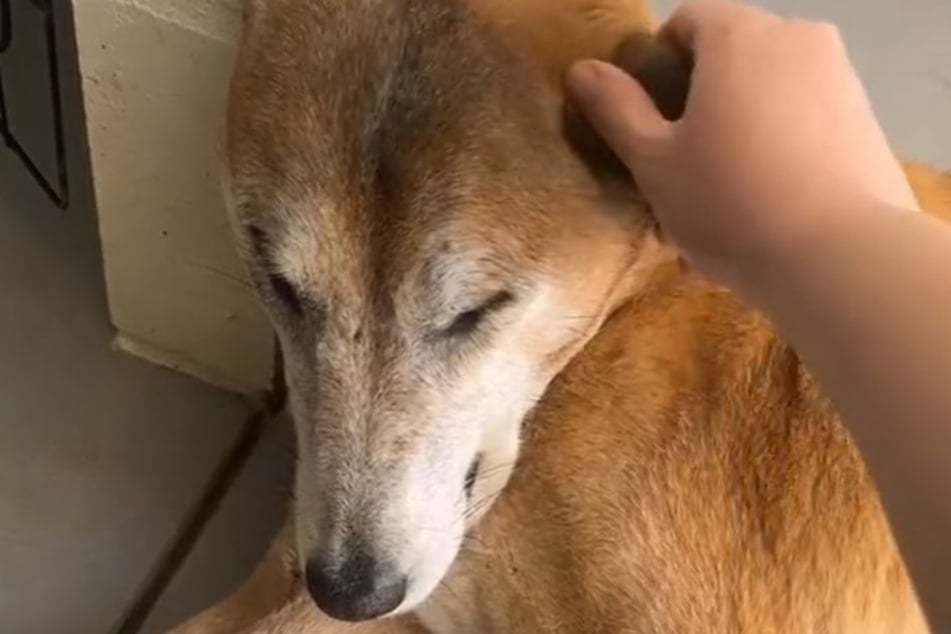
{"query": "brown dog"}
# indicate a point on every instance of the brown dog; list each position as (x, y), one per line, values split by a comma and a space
(471, 297)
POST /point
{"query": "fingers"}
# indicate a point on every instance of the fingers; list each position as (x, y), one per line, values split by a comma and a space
(618, 107)
(695, 20)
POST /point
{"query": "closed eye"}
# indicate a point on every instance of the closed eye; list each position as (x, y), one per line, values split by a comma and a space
(285, 292)
(281, 287)
(467, 322)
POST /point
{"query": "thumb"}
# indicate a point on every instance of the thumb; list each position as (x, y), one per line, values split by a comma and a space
(618, 107)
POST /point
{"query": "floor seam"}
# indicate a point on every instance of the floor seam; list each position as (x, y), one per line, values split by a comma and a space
(192, 528)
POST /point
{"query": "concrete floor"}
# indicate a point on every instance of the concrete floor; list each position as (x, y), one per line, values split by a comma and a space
(104, 460)
(106, 463)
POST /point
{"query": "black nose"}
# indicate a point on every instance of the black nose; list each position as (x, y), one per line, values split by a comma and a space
(358, 588)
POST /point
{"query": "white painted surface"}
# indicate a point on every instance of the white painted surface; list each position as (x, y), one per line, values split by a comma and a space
(155, 76)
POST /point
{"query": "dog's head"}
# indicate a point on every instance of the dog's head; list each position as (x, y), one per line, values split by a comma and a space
(432, 251)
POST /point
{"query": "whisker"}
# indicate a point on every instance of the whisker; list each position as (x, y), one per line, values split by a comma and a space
(480, 504)
(588, 317)
(487, 473)
(472, 537)
(444, 583)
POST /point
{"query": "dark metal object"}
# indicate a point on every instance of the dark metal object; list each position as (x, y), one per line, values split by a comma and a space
(31, 107)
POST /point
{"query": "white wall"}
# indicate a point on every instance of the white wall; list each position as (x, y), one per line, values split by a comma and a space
(155, 75)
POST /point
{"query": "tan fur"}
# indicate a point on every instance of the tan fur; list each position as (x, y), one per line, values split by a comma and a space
(683, 473)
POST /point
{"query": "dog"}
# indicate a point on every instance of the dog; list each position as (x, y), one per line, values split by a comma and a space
(515, 411)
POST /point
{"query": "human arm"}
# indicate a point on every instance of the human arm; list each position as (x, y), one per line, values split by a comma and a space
(867, 302)
(779, 182)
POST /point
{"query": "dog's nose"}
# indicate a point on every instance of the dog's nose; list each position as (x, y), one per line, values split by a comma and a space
(358, 588)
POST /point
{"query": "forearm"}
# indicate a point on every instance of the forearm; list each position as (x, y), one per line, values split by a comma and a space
(868, 305)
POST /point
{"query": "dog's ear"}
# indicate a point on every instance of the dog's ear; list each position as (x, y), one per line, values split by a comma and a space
(662, 68)
(664, 72)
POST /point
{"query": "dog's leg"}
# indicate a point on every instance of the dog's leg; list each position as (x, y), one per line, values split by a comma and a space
(272, 585)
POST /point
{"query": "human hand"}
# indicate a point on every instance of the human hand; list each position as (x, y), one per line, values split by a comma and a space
(777, 137)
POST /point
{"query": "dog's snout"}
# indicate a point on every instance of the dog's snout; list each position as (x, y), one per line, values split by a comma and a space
(354, 587)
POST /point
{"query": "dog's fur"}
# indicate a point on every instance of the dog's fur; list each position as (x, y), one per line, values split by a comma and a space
(681, 471)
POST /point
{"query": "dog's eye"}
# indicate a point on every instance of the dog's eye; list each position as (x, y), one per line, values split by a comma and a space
(469, 321)
(286, 292)
(466, 323)
(471, 475)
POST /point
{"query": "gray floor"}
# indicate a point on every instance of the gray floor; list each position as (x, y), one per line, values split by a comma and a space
(110, 468)
(105, 461)
(223, 556)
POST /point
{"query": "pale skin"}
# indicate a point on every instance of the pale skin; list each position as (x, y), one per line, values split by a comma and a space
(779, 182)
